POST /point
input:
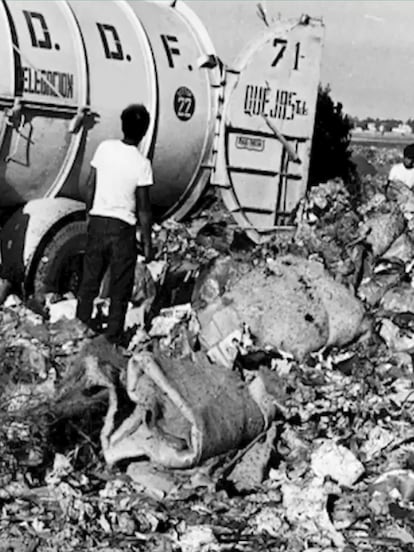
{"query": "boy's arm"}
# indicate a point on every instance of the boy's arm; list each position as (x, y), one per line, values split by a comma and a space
(144, 217)
(90, 189)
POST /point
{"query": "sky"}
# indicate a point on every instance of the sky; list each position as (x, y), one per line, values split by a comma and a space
(368, 55)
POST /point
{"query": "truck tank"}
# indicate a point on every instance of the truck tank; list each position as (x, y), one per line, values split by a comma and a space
(70, 67)
(68, 70)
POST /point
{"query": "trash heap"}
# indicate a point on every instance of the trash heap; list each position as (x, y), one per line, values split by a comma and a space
(263, 400)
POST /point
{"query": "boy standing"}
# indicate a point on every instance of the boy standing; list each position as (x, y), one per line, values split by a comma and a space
(117, 199)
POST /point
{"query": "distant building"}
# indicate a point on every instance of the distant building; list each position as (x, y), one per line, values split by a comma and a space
(372, 127)
(402, 129)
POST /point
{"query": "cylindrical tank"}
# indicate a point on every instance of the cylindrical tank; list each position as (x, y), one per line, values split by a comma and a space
(68, 70)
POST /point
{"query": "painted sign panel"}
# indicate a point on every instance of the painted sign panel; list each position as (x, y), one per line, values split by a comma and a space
(268, 124)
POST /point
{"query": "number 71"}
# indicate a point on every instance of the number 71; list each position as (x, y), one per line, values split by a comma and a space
(281, 45)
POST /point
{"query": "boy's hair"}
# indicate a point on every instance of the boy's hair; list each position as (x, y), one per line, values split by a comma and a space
(409, 151)
(135, 121)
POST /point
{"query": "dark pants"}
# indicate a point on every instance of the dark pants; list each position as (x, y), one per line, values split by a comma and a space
(111, 243)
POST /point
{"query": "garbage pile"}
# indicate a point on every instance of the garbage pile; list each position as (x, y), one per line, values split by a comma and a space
(263, 399)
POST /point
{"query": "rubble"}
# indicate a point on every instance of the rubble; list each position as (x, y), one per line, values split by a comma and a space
(265, 399)
(328, 227)
(401, 249)
(198, 538)
(399, 299)
(382, 229)
(306, 505)
(251, 470)
(337, 462)
(393, 487)
(62, 309)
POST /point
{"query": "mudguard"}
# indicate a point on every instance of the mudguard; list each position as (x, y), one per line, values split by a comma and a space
(29, 229)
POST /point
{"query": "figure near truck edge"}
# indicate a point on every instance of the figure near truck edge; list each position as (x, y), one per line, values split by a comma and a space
(117, 199)
(402, 173)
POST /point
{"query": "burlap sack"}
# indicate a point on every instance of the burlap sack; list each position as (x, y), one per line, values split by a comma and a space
(345, 312)
(182, 411)
(295, 305)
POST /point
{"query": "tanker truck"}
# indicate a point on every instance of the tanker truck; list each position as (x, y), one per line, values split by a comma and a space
(68, 69)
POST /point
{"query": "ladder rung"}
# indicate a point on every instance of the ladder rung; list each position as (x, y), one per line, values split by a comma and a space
(257, 210)
(251, 170)
(250, 132)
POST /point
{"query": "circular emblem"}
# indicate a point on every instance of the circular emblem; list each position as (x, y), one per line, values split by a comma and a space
(184, 103)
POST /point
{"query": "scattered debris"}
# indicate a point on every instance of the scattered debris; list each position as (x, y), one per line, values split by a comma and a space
(198, 538)
(306, 505)
(62, 309)
(337, 462)
(264, 399)
(251, 470)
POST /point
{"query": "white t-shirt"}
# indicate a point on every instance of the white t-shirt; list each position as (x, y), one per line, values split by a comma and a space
(399, 173)
(120, 168)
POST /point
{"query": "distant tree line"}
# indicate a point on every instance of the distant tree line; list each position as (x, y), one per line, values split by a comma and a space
(387, 125)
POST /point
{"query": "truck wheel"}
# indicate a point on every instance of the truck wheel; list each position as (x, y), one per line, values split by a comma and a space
(59, 268)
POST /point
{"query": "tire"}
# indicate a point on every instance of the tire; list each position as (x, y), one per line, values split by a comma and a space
(59, 268)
